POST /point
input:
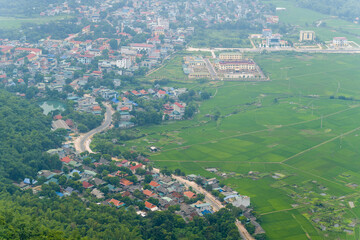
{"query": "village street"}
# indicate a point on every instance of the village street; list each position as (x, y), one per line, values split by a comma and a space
(216, 204)
(82, 143)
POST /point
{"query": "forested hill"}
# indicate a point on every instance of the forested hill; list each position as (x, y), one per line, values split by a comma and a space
(24, 137)
(348, 9)
(25, 216)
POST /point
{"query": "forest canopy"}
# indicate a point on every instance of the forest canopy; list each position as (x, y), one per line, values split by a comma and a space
(25, 135)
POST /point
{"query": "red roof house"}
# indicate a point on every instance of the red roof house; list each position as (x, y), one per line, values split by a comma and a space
(150, 206)
(154, 184)
(125, 182)
(148, 193)
(87, 185)
(116, 202)
(189, 194)
(133, 168)
(66, 159)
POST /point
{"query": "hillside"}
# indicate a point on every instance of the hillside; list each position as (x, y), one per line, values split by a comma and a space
(24, 136)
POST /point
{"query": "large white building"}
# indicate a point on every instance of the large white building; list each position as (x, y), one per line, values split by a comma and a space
(238, 200)
(236, 65)
(307, 36)
(340, 42)
(231, 56)
(123, 63)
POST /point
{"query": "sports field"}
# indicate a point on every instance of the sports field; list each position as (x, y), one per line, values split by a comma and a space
(291, 126)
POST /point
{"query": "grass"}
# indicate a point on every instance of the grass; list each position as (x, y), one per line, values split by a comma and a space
(16, 22)
(258, 133)
(170, 70)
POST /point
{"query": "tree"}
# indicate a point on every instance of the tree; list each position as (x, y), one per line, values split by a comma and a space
(82, 128)
(116, 117)
(62, 180)
(153, 201)
(113, 44)
(243, 219)
(140, 171)
(68, 89)
(250, 227)
(205, 95)
(76, 176)
(174, 208)
(199, 181)
(148, 178)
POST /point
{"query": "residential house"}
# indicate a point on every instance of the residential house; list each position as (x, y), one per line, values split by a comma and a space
(189, 194)
(238, 200)
(150, 206)
(97, 193)
(116, 203)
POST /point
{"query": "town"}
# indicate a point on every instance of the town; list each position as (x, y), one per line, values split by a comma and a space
(190, 108)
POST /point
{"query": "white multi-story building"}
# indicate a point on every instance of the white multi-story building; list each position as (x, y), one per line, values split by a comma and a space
(123, 63)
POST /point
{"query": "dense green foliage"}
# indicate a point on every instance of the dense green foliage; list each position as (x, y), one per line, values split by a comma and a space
(85, 121)
(24, 136)
(348, 9)
(24, 216)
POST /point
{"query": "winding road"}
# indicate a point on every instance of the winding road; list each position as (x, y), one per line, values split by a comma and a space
(82, 143)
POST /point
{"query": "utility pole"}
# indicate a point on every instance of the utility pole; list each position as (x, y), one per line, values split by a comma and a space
(321, 121)
(312, 110)
(341, 140)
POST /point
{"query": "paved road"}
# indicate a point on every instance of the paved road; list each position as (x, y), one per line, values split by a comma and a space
(216, 204)
(211, 69)
(348, 51)
(82, 143)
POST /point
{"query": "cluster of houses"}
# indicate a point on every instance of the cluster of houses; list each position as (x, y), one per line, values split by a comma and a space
(188, 10)
(84, 175)
(174, 111)
(59, 60)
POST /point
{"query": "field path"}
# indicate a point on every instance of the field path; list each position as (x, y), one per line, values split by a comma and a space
(323, 143)
(282, 210)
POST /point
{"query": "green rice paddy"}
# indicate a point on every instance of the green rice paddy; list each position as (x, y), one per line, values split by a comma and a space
(290, 126)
